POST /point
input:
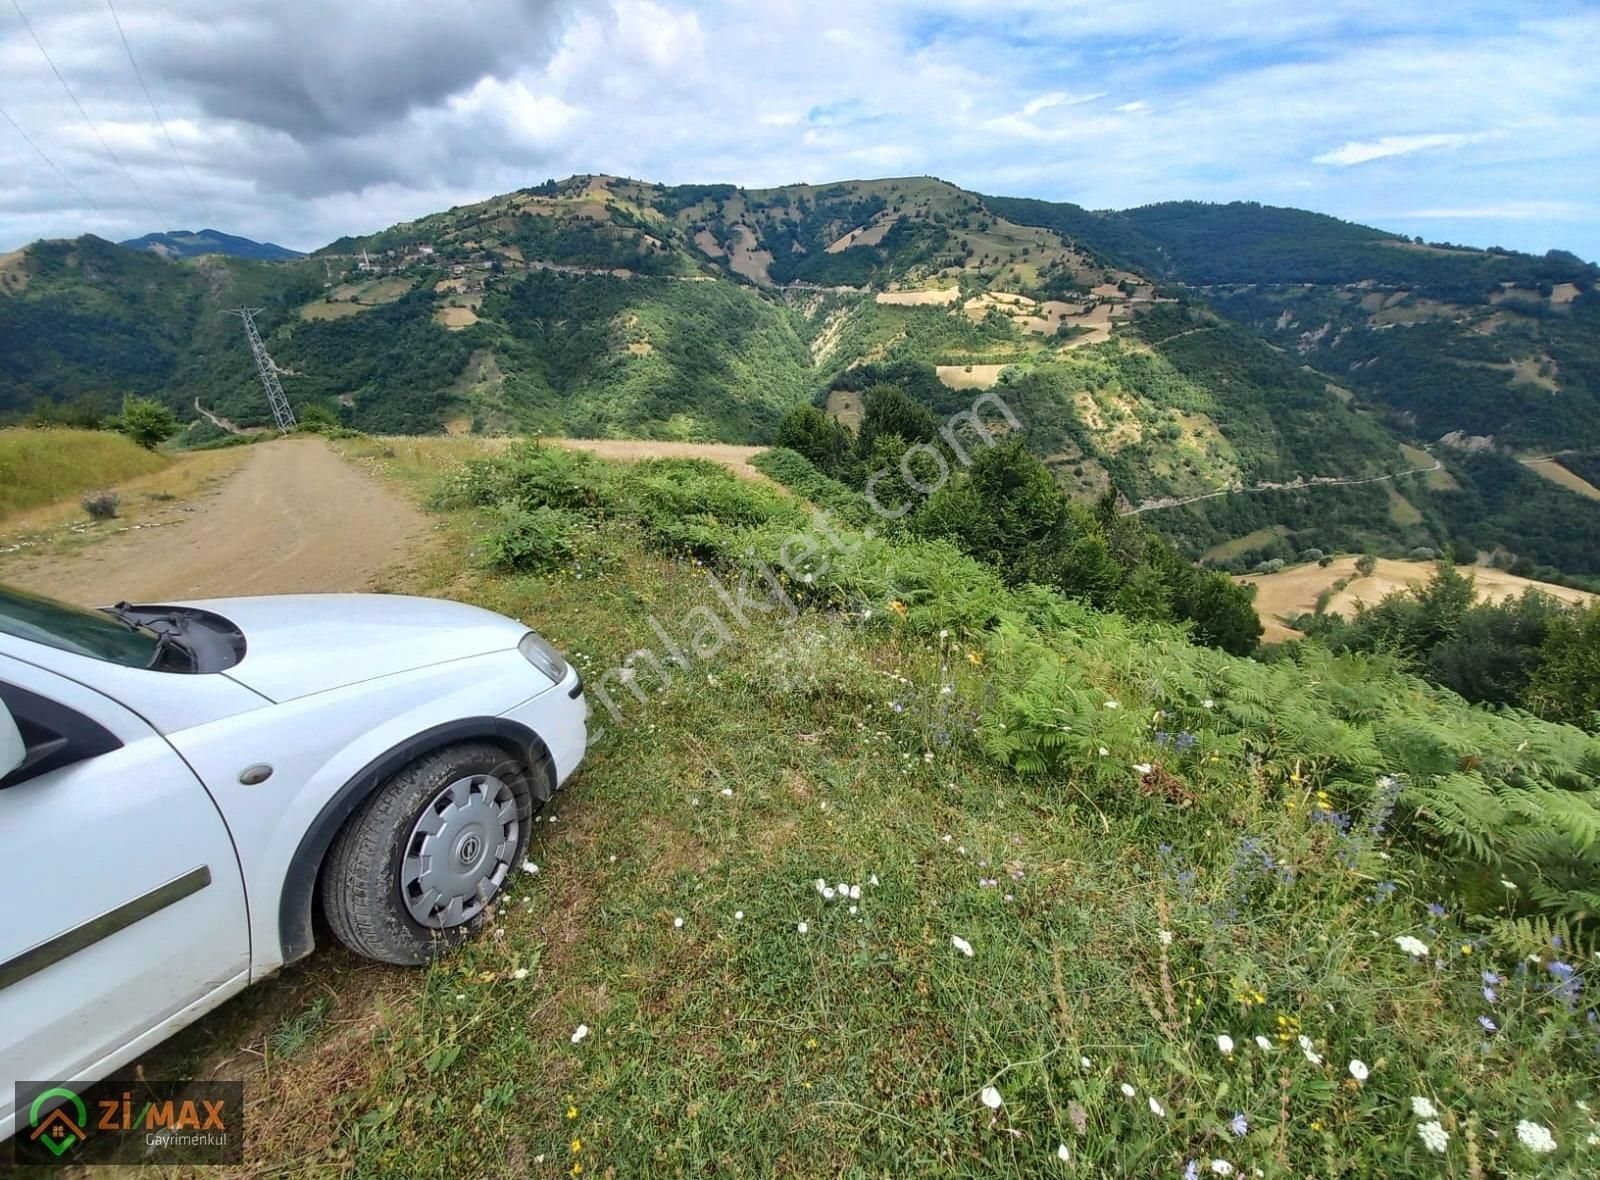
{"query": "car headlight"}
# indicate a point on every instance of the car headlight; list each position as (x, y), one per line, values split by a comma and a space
(543, 657)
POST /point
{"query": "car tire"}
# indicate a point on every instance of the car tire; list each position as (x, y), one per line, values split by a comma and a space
(413, 872)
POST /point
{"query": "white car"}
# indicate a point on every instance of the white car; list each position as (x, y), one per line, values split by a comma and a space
(180, 785)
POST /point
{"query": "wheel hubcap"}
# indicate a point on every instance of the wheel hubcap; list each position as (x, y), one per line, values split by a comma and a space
(459, 851)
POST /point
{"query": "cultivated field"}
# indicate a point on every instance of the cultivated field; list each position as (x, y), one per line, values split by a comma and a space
(1294, 591)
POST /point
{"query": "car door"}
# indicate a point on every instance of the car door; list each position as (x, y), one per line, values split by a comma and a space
(125, 910)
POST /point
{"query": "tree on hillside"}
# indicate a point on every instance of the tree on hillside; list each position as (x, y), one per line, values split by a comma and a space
(147, 422)
(1566, 686)
(888, 410)
(822, 439)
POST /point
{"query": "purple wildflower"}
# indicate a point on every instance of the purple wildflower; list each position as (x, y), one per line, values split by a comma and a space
(1239, 1125)
(1488, 1024)
(1437, 910)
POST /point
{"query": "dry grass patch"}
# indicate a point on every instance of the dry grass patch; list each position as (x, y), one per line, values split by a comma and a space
(1294, 591)
(13, 272)
(969, 376)
(940, 297)
(456, 318)
(1553, 471)
(846, 406)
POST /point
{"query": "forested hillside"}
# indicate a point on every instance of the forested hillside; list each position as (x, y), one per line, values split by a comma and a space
(1358, 390)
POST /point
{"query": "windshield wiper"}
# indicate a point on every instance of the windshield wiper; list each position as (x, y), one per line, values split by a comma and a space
(171, 643)
(123, 613)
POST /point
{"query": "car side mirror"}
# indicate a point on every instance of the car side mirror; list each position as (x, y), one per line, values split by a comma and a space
(13, 750)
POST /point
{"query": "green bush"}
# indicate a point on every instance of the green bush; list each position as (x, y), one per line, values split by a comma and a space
(147, 422)
(531, 540)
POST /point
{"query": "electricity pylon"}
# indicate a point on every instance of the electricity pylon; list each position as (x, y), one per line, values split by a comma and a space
(281, 413)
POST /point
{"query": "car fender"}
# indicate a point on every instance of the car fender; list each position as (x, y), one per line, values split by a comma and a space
(319, 752)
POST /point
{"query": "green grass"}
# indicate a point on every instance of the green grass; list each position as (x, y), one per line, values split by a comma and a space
(828, 748)
(41, 466)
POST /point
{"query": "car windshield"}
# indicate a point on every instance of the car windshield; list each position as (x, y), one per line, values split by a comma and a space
(72, 628)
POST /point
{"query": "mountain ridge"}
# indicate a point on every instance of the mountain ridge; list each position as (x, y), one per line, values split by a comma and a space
(184, 243)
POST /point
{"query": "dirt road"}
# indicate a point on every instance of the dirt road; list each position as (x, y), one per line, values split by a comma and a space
(294, 518)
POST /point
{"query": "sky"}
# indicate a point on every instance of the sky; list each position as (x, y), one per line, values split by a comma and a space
(302, 120)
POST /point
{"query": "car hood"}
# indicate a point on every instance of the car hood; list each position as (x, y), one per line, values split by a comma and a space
(298, 644)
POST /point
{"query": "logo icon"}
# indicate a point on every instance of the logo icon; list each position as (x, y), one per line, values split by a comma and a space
(58, 1131)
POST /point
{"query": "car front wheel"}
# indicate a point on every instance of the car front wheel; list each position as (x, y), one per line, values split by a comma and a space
(414, 870)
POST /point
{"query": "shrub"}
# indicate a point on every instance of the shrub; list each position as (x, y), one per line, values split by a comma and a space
(101, 505)
(1365, 564)
(147, 422)
(531, 540)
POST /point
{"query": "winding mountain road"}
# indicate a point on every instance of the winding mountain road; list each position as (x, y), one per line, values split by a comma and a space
(295, 518)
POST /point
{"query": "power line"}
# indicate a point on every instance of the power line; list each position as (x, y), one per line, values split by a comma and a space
(138, 73)
(115, 159)
(54, 167)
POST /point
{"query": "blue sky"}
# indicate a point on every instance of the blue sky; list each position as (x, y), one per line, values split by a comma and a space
(1461, 121)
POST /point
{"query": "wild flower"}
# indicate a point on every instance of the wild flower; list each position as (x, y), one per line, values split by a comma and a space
(579, 1033)
(1157, 1109)
(1536, 1137)
(1488, 1024)
(1239, 1125)
(529, 867)
(991, 1098)
(738, 915)
(1142, 767)
(961, 945)
(1085, 1062)
(1113, 704)
(677, 923)
(1308, 1047)
(1127, 1090)
(520, 973)
(1165, 936)
(1191, 1170)
(801, 927)
(1434, 1137)
(1225, 1044)
(1221, 1168)
(1437, 910)
(1062, 1153)
(1358, 1070)
(1263, 1044)
(1423, 1108)
(1414, 947)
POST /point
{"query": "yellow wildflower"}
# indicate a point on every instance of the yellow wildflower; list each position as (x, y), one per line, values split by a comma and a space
(898, 607)
(577, 1144)
(572, 1112)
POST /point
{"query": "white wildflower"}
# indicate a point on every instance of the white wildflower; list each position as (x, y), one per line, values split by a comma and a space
(1434, 1137)
(677, 923)
(1423, 1108)
(1165, 936)
(738, 915)
(727, 792)
(1062, 1153)
(1127, 1090)
(1414, 947)
(1104, 753)
(961, 945)
(1113, 705)
(1308, 1047)
(1208, 703)
(821, 884)
(1157, 1109)
(1263, 1044)
(520, 973)
(1221, 1168)
(827, 893)
(1358, 1070)
(990, 1097)
(1225, 1044)
(1085, 1062)
(529, 867)
(1142, 767)
(873, 880)
(841, 887)
(1511, 885)
(802, 928)
(855, 893)
(1536, 1137)
(853, 909)
(579, 1033)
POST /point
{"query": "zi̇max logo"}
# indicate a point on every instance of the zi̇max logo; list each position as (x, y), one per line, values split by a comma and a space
(58, 1131)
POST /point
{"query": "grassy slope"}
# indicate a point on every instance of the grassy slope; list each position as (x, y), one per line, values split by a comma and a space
(42, 466)
(860, 1047)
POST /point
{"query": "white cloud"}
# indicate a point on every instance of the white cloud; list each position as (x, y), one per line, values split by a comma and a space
(1505, 211)
(1058, 98)
(1362, 152)
(1139, 107)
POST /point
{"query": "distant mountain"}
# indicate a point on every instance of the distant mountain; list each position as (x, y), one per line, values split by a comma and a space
(185, 243)
(1264, 381)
